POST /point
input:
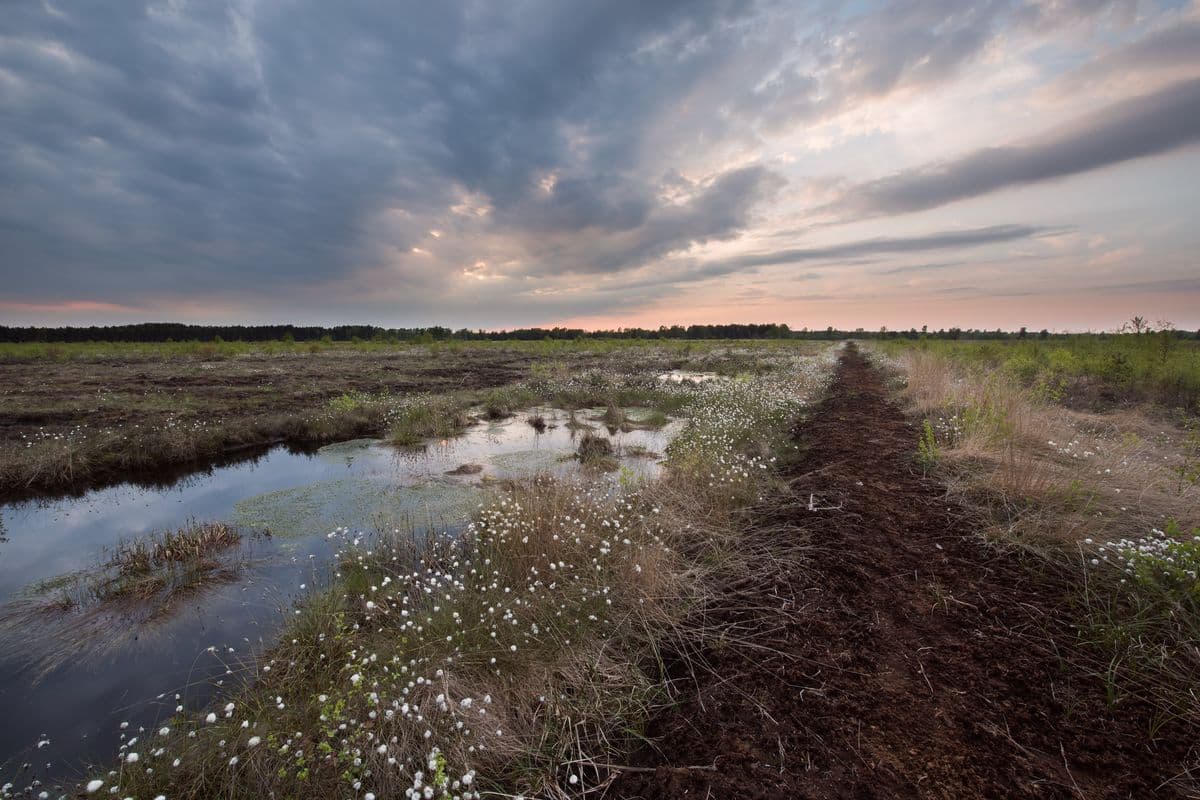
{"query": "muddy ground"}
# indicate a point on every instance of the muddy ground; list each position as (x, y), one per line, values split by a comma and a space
(244, 402)
(910, 660)
(120, 390)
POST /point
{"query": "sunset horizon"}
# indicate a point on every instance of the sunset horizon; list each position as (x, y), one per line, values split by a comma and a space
(995, 165)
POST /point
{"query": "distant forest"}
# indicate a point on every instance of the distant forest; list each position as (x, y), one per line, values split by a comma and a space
(178, 332)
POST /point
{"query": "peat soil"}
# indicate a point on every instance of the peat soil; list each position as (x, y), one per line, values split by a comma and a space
(248, 402)
(908, 659)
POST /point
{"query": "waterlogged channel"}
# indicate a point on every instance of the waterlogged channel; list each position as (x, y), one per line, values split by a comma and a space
(68, 681)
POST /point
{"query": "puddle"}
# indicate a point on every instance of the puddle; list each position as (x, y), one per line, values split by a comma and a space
(298, 498)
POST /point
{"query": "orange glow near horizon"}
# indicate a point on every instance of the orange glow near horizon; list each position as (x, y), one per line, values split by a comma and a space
(1057, 313)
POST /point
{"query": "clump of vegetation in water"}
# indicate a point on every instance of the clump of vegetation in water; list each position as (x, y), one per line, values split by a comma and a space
(426, 417)
(99, 609)
(189, 543)
(503, 402)
(653, 419)
(613, 416)
(169, 562)
(596, 451)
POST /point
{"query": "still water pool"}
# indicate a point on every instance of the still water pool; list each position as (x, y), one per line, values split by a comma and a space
(75, 685)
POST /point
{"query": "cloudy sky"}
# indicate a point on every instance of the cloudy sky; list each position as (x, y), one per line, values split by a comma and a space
(487, 164)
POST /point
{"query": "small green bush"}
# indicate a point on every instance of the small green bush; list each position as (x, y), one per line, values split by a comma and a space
(927, 446)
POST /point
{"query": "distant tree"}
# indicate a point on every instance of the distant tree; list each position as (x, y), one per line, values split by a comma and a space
(1138, 324)
(1021, 334)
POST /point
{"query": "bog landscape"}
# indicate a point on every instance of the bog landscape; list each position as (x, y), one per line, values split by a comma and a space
(600, 400)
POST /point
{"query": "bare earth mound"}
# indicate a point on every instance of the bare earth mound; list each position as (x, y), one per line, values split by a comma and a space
(911, 661)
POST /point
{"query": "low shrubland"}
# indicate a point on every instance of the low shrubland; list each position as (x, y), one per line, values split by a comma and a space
(1091, 371)
(519, 657)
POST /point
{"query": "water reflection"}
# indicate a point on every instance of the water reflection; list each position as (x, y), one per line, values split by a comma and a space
(88, 691)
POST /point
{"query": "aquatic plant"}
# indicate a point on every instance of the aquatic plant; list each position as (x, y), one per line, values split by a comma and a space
(594, 449)
(132, 588)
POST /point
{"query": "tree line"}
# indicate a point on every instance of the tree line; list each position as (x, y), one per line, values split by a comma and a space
(179, 332)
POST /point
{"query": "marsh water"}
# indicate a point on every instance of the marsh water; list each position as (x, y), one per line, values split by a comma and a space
(76, 685)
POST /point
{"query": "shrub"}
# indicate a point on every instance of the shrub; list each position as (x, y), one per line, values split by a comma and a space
(927, 447)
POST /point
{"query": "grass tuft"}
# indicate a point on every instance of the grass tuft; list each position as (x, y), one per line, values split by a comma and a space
(426, 417)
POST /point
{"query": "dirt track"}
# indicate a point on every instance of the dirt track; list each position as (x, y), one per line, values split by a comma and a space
(911, 660)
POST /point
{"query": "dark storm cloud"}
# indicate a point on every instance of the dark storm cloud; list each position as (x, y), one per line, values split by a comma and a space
(1143, 126)
(190, 149)
(716, 211)
(143, 147)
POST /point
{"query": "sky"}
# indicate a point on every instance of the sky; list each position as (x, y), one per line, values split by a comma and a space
(600, 164)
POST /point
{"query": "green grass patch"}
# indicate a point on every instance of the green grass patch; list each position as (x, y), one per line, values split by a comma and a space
(1141, 610)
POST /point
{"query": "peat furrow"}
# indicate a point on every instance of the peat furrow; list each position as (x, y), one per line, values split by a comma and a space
(907, 659)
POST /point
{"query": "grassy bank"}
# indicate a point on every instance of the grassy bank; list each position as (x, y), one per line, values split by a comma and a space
(520, 658)
(1112, 498)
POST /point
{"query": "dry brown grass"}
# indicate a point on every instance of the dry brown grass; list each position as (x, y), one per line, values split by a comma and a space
(1051, 474)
